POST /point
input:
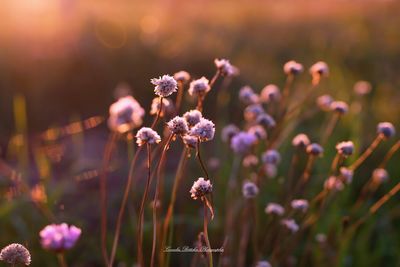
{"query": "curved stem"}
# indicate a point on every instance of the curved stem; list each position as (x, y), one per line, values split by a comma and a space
(198, 155)
(205, 231)
(122, 208)
(158, 114)
(367, 152)
(390, 154)
(329, 128)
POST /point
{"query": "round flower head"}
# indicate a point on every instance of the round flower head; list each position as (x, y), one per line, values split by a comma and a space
(270, 93)
(314, 149)
(164, 86)
(345, 148)
(250, 160)
(265, 120)
(225, 67)
(228, 132)
(362, 88)
(274, 208)
(190, 141)
(200, 188)
(324, 102)
(299, 204)
(242, 142)
(125, 114)
(182, 76)
(193, 117)
(346, 174)
(15, 254)
(339, 107)
(258, 131)
(253, 111)
(199, 87)
(271, 156)
(204, 130)
(147, 135)
(249, 190)
(263, 264)
(333, 183)
(292, 67)
(247, 96)
(380, 175)
(59, 237)
(291, 225)
(301, 141)
(386, 129)
(167, 106)
(178, 126)
(320, 68)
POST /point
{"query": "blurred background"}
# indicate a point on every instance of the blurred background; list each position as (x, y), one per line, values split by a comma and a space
(61, 60)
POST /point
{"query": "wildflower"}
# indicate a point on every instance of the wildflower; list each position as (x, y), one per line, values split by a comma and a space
(253, 111)
(320, 68)
(15, 254)
(167, 106)
(346, 174)
(270, 170)
(345, 148)
(199, 87)
(265, 120)
(182, 76)
(204, 130)
(314, 149)
(125, 114)
(190, 141)
(249, 190)
(263, 264)
(247, 95)
(324, 102)
(301, 141)
(362, 88)
(165, 85)
(147, 135)
(380, 175)
(299, 204)
(225, 67)
(59, 237)
(192, 117)
(200, 188)
(292, 67)
(333, 183)
(258, 131)
(228, 132)
(386, 129)
(339, 107)
(271, 156)
(242, 142)
(250, 160)
(291, 225)
(178, 126)
(270, 93)
(274, 208)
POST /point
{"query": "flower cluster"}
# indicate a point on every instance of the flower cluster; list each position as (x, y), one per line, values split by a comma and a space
(59, 237)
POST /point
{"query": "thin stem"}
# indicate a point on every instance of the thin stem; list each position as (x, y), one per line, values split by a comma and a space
(103, 195)
(390, 154)
(330, 127)
(179, 97)
(336, 162)
(198, 155)
(155, 201)
(122, 208)
(306, 174)
(367, 152)
(61, 259)
(205, 231)
(158, 113)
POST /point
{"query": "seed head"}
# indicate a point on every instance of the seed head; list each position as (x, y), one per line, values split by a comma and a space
(386, 129)
(292, 67)
(242, 142)
(291, 225)
(265, 120)
(339, 107)
(165, 85)
(200, 188)
(204, 130)
(228, 132)
(249, 190)
(182, 76)
(125, 114)
(274, 208)
(258, 131)
(324, 102)
(299, 204)
(59, 237)
(147, 135)
(380, 175)
(314, 149)
(270, 93)
(193, 117)
(345, 148)
(178, 126)
(247, 96)
(199, 87)
(225, 67)
(14, 254)
(301, 141)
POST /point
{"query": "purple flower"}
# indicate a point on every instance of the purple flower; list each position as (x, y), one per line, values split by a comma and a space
(193, 117)
(270, 93)
(59, 237)
(333, 183)
(249, 190)
(247, 96)
(266, 120)
(320, 68)
(200, 188)
(345, 148)
(314, 149)
(242, 142)
(167, 106)
(125, 114)
(165, 85)
(250, 160)
(386, 129)
(228, 132)
(15, 254)
(301, 141)
(324, 102)
(299, 204)
(380, 175)
(178, 125)
(291, 225)
(190, 141)
(292, 67)
(204, 130)
(271, 156)
(258, 131)
(253, 111)
(339, 107)
(274, 208)
(182, 76)
(147, 135)
(346, 174)
(199, 87)
(263, 264)
(225, 67)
